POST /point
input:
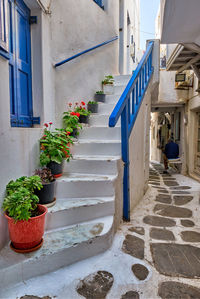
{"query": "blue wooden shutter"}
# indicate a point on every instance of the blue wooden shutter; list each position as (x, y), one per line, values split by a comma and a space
(3, 25)
(99, 2)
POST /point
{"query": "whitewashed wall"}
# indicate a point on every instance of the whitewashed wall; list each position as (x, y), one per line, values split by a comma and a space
(139, 152)
(72, 26)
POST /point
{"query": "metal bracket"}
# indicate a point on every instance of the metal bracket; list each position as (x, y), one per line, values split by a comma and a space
(33, 20)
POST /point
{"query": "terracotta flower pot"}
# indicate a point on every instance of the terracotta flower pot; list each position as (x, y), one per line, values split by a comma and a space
(27, 234)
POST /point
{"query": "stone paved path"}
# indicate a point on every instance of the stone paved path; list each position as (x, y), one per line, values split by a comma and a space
(156, 255)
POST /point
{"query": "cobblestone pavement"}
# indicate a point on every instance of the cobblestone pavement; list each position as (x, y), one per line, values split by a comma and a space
(156, 255)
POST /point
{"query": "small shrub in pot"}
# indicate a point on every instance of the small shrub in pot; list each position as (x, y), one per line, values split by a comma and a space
(100, 96)
(92, 106)
(26, 218)
(46, 194)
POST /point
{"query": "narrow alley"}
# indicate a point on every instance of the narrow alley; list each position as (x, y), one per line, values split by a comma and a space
(156, 255)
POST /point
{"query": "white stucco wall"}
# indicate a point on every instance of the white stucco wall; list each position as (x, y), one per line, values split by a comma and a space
(139, 151)
(71, 27)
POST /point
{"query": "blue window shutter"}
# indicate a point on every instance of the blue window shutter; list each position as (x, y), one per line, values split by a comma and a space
(3, 25)
(99, 2)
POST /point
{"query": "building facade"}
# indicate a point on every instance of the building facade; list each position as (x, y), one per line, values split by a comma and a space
(34, 36)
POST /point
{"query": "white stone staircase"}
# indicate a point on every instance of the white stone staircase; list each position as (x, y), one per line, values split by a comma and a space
(89, 202)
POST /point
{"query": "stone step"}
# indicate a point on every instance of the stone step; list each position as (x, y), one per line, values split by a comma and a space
(97, 147)
(122, 79)
(97, 120)
(105, 108)
(61, 248)
(77, 186)
(68, 211)
(94, 133)
(89, 165)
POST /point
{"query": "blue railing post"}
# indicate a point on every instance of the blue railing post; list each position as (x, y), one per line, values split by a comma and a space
(133, 94)
(125, 159)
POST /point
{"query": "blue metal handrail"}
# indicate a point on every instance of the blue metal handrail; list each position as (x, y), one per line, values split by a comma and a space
(128, 107)
(86, 51)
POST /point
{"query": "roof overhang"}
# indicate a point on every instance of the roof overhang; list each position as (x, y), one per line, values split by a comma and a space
(180, 21)
(166, 107)
(184, 57)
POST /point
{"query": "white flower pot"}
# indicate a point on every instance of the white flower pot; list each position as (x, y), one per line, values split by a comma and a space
(108, 88)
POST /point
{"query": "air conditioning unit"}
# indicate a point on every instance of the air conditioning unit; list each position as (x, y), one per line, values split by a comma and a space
(184, 80)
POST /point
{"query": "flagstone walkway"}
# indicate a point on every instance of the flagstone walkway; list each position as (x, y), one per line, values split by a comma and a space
(156, 255)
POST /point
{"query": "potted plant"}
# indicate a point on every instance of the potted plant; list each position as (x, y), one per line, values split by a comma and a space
(92, 106)
(55, 148)
(108, 84)
(100, 96)
(26, 218)
(84, 113)
(46, 194)
(71, 121)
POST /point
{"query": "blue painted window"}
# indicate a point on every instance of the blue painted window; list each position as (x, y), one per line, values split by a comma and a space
(3, 26)
(99, 2)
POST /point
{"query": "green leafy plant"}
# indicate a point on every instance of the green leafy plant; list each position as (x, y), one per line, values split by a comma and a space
(93, 102)
(99, 92)
(20, 202)
(71, 120)
(81, 109)
(45, 175)
(108, 80)
(55, 145)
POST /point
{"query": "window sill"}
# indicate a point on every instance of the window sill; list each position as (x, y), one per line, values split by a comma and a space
(4, 54)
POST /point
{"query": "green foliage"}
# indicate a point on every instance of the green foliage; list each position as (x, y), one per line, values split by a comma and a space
(93, 103)
(45, 175)
(55, 146)
(99, 92)
(20, 201)
(108, 80)
(71, 121)
(81, 110)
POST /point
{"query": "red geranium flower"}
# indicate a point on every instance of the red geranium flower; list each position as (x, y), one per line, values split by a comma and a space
(51, 123)
(68, 133)
(80, 107)
(72, 113)
(77, 114)
(83, 103)
(46, 125)
(70, 104)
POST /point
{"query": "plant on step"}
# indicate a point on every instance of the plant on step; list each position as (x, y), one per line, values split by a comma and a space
(46, 194)
(45, 175)
(108, 80)
(71, 121)
(99, 92)
(92, 106)
(26, 218)
(81, 109)
(55, 145)
(20, 201)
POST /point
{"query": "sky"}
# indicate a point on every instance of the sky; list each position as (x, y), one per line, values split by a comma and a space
(148, 12)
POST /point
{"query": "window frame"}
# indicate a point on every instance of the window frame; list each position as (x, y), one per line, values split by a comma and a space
(4, 46)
